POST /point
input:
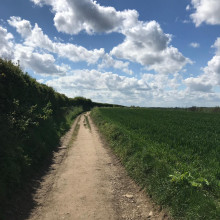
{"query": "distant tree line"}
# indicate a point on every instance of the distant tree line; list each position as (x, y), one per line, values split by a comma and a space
(88, 104)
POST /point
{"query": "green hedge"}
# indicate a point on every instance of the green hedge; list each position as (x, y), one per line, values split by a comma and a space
(32, 119)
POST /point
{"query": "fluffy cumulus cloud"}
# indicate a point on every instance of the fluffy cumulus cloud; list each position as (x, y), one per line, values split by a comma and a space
(87, 79)
(23, 27)
(78, 53)
(217, 46)
(36, 38)
(206, 11)
(145, 42)
(43, 64)
(213, 69)
(148, 90)
(211, 74)
(6, 44)
(40, 62)
(195, 97)
(201, 84)
(73, 16)
(148, 45)
(99, 85)
(109, 61)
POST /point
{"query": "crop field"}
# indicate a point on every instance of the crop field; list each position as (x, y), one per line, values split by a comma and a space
(174, 154)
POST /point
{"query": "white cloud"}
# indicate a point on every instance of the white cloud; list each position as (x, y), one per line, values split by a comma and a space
(23, 27)
(73, 16)
(211, 74)
(186, 21)
(187, 98)
(213, 68)
(188, 7)
(43, 64)
(40, 62)
(6, 44)
(206, 11)
(146, 44)
(195, 45)
(78, 53)
(42, 2)
(199, 84)
(149, 90)
(36, 38)
(217, 46)
(96, 80)
(108, 61)
(102, 86)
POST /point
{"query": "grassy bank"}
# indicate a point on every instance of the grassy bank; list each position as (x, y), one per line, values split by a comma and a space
(174, 154)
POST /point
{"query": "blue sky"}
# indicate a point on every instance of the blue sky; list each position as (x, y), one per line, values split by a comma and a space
(144, 52)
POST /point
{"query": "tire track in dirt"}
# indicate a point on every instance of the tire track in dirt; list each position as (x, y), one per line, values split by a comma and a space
(88, 182)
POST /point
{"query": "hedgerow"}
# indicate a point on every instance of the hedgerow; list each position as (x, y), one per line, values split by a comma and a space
(32, 119)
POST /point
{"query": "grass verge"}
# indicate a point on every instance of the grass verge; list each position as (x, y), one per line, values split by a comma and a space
(75, 132)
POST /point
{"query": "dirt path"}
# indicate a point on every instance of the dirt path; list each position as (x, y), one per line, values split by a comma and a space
(87, 182)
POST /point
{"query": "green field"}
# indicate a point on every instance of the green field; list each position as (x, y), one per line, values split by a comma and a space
(174, 154)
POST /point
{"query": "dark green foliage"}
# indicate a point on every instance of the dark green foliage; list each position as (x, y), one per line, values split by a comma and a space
(175, 154)
(87, 104)
(32, 119)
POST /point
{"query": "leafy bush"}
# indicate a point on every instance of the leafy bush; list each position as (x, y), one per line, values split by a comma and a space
(32, 119)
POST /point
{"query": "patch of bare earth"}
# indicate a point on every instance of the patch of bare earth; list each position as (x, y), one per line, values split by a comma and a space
(86, 181)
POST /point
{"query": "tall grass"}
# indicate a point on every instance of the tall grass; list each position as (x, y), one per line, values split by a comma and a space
(174, 154)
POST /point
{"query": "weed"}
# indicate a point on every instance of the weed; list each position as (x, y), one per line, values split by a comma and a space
(87, 122)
